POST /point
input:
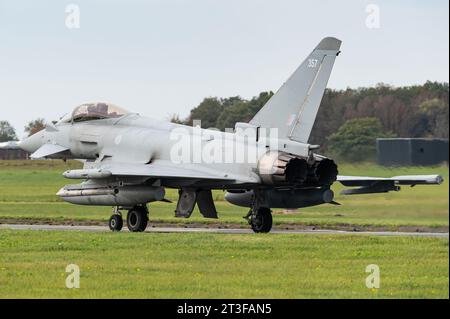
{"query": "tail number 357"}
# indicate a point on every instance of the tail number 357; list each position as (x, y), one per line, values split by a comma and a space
(312, 63)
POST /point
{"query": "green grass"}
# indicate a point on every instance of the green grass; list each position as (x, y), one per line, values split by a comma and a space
(27, 190)
(130, 265)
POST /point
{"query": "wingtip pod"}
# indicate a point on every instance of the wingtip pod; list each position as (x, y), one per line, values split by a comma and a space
(419, 179)
(436, 179)
(329, 43)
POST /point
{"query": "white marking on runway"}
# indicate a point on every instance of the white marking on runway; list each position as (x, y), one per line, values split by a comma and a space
(221, 230)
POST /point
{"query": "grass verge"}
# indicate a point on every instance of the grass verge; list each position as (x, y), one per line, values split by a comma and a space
(127, 265)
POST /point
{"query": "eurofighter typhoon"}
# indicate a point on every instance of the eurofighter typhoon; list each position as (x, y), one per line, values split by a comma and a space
(129, 160)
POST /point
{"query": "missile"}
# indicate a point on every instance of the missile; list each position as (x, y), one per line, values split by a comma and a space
(87, 174)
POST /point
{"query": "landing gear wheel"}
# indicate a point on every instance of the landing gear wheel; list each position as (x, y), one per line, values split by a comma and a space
(115, 222)
(261, 221)
(137, 219)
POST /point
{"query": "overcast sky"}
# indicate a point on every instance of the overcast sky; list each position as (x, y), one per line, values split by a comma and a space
(163, 57)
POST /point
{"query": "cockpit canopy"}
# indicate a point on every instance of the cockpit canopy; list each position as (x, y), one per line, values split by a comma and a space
(94, 111)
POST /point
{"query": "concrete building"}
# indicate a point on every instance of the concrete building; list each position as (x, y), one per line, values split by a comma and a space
(411, 151)
(10, 151)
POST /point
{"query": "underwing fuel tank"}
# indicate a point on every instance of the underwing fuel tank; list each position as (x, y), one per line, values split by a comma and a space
(127, 196)
(284, 198)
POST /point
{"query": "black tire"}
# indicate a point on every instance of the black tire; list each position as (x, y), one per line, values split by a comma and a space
(261, 222)
(137, 219)
(115, 222)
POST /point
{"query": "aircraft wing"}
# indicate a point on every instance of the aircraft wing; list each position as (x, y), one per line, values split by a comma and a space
(164, 170)
(157, 169)
(370, 185)
(47, 150)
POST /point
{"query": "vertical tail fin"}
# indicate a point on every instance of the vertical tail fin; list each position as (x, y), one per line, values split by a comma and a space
(293, 109)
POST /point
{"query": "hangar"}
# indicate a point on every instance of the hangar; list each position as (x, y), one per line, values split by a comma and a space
(10, 151)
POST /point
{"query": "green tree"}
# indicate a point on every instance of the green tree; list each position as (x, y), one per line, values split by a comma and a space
(229, 101)
(355, 140)
(257, 103)
(435, 114)
(242, 110)
(207, 111)
(7, 132)
(35, 126)
(237, 112)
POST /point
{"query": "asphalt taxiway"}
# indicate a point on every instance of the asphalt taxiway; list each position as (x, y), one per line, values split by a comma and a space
(220, 230)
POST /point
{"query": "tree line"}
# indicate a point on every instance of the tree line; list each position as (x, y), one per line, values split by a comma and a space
(348, 120)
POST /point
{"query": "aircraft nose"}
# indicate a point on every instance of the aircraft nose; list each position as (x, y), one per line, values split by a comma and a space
(32, 143)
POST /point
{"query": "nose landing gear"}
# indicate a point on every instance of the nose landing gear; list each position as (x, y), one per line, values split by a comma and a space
(115, 222)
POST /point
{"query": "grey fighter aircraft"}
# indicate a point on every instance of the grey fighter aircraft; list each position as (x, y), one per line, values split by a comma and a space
(129, 159)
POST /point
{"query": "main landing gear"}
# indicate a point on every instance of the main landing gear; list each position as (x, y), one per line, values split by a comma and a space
(260, 216)
(137, 219)
(260, 219)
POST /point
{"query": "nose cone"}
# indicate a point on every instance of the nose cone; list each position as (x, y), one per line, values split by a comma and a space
(33, 143)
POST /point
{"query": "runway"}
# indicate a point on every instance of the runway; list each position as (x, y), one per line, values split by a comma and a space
(220, 230)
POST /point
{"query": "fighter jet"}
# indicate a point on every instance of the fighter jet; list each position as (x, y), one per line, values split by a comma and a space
(129, 160)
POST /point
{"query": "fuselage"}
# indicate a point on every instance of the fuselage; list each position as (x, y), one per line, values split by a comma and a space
(141, 140)
(247, 156)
